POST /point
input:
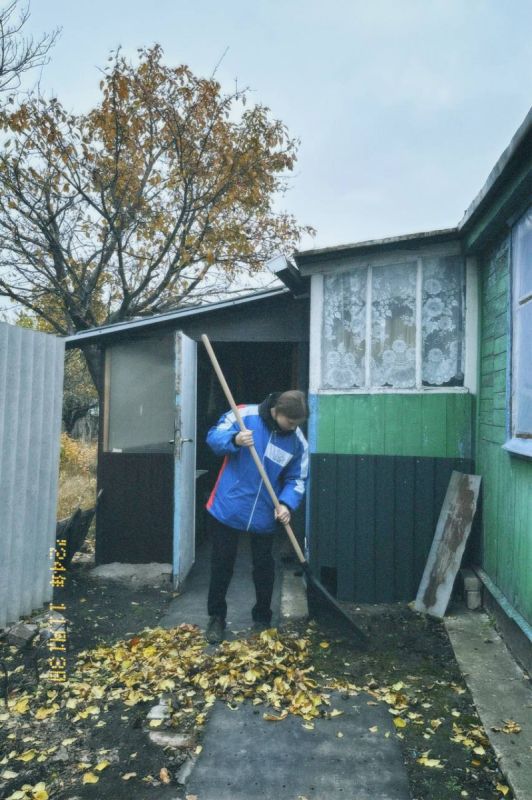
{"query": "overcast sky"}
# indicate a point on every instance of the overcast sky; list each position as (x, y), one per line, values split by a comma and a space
(402, 106)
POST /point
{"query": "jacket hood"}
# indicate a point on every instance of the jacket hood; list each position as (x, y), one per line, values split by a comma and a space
(265, 412)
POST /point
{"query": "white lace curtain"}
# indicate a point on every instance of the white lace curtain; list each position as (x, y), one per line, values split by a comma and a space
(392, 325)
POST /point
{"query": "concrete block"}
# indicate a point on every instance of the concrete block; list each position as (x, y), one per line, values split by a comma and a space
(160, 711)
(470, 581)
(21, 633)
(153, 574)
(177, 741)
(473, 600)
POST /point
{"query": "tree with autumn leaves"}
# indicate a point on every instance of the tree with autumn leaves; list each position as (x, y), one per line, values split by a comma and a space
(129, 209)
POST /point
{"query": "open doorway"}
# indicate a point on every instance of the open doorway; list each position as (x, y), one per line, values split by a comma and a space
(252, 370)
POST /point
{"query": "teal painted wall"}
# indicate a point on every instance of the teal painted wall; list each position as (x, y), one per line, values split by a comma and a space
(433, 425)
(507, 480)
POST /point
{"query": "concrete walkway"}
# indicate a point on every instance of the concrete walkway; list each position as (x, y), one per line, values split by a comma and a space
(501, 691)
(245, 757)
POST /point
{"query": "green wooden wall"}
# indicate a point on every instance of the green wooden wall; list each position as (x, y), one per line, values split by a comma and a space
(507, 479)
(433, 425)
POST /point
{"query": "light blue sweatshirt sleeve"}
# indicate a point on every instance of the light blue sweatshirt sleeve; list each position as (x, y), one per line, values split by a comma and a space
(220, 436)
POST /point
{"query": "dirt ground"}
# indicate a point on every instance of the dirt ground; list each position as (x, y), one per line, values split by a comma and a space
(409, 664)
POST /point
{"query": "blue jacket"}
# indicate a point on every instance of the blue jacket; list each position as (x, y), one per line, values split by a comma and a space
(239, 498)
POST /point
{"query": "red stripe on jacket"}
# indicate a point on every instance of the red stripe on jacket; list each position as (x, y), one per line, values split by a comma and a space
(210, 501)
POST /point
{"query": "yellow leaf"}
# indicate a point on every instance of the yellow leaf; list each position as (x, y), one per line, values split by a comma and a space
(102, 765)
(8, 774)
(39, 792)
(511, 727)
(129, 775)
(430, 762)
(90, 777)
(155, 723)
(27, 755)
(324, 645)
(22, 706)
(374, 729)
(399, 722)
(502, 788)
(479, 751)
(335, 713)
(274, 717)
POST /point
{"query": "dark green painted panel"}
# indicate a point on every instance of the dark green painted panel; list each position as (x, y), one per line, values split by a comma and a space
(404, 486)
(345, 521)
(384, 531)
(431, 425)
(372, 522)
(365, 555)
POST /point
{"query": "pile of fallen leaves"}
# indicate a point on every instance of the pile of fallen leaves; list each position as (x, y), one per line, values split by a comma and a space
(270, 669)
(173, 668)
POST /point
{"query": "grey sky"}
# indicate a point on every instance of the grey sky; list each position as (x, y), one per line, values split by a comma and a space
(402, 106)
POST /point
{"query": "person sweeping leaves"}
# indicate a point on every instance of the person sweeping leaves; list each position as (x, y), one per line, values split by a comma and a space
(239, 501)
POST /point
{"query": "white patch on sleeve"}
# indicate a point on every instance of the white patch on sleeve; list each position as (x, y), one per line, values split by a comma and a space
(277, 455)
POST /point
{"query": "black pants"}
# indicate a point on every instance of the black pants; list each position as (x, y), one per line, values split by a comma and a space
(224, 550)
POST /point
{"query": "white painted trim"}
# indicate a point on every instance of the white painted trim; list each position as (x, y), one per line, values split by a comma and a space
(367, 349)
(471, 325)
(419, 324)
(316, 314)
(387, 390)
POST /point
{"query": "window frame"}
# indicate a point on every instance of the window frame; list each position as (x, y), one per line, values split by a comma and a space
(470, 309)
(516, 444)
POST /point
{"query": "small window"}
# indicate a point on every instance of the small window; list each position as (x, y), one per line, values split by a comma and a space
(521, 408)
(398, 326)
(140, 396)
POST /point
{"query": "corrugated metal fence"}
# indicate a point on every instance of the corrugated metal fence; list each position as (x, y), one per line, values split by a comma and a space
(31, 384)
(372, 522)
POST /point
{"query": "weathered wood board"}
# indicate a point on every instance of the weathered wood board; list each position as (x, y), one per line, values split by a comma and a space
(452, 531)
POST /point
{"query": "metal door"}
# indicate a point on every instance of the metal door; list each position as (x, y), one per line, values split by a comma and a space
(185, 457)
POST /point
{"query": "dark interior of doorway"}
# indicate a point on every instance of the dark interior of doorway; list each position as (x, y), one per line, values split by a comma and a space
(252, 370)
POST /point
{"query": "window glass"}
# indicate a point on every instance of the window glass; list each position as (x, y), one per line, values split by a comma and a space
(523, 421)
(394, 311)
(141, 396)
(522, 333)
(443, 320)
(393, 326)
(344, 329)
(523, 256)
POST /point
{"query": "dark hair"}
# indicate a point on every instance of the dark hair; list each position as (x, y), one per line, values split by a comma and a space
(293, 404)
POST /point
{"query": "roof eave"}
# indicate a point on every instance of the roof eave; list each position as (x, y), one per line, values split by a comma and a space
(306, 258)
(146, 324)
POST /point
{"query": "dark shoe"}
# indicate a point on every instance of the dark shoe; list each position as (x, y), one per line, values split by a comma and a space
(260, 625)
(215, 630)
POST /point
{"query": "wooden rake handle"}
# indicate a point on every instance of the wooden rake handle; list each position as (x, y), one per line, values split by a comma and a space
(254, 454)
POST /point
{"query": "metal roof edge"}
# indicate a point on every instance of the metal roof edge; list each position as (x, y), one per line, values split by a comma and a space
(441, 235)
(499, 171)
(160, 319)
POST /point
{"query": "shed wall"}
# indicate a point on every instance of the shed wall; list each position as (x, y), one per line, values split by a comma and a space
(31, 382)
(507, 480)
